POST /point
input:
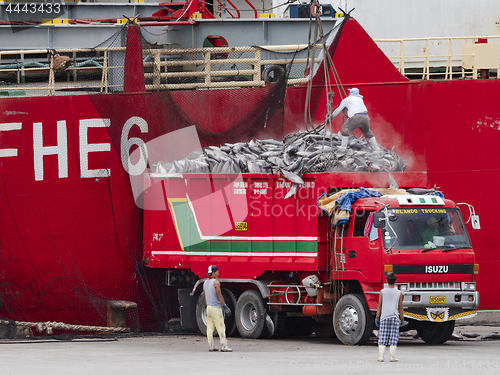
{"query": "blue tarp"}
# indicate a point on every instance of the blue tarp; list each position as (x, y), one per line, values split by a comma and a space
(437, 193)
(345, 201)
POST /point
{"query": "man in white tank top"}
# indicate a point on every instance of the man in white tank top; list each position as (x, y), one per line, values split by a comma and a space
(215, 304)
(389, 313)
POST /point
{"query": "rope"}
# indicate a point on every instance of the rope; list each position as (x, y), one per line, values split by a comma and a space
(329, 65)
(50, 326)
(316, 9)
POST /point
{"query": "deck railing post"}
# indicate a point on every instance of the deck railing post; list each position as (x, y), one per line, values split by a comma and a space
(402, 57)
(74, 67)
(51, 76)
(257, 67)
(449, 67)
(157, 70)
(208, 68)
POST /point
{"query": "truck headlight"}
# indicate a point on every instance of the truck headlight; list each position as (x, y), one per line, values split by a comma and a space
(469, 287)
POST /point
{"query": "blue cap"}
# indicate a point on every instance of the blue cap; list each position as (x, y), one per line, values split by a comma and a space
(354, 92)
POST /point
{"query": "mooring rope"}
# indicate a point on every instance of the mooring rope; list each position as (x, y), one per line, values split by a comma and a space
(49, 326)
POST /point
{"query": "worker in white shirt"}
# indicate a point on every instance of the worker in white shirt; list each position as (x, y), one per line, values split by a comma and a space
(357, 118)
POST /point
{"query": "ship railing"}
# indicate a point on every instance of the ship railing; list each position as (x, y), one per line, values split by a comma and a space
(21, 61)
(213, 68)
(437, 58)
(101, 72)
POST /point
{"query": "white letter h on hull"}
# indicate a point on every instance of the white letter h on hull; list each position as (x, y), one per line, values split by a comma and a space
(61, 149)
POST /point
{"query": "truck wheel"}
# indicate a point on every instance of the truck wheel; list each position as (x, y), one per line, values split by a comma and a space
(201, 313)
(251, 315)
(352, 320)
(435, 333)
(230, 322)
(279, 320)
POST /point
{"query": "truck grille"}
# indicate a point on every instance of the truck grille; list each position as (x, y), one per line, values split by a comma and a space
(450, 285)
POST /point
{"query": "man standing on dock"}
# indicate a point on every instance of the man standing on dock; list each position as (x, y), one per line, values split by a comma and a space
(215, 304)
(389, 316)
(357, 118)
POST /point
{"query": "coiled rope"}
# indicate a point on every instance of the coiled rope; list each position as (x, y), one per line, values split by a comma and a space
(50, 326)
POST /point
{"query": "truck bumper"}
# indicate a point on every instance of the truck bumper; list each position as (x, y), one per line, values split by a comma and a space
(440, 306)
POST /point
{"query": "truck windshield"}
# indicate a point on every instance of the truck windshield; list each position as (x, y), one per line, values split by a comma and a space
(425, 228)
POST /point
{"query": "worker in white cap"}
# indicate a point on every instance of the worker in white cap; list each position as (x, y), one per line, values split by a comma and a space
(215, 305)
(357, 118)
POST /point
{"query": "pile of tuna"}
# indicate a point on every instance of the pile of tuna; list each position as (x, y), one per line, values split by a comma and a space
(299, 153)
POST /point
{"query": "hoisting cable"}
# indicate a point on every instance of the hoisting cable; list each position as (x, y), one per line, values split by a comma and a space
(314, 10)
(328, 64)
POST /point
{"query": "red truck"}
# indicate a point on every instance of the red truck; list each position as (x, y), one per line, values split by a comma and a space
(286, 266)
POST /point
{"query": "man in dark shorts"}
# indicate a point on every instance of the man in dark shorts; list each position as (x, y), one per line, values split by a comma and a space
(389, 315)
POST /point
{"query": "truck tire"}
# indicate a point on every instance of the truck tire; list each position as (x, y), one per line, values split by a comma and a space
(230, 321)
(201, 313)
(251, 315)
(352, 320)
(435, 333)
(279, 320)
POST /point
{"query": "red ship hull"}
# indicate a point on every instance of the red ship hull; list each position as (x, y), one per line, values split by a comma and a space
(70, 243)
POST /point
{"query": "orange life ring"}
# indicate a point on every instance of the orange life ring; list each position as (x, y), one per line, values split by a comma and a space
(315, 9)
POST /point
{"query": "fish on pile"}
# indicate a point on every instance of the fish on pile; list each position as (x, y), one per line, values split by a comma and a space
(299, 153)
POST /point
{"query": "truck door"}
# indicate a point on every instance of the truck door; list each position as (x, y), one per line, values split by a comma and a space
(361, 252)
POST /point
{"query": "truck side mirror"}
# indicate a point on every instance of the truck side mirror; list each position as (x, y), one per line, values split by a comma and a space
(474, 219)
(379, 220)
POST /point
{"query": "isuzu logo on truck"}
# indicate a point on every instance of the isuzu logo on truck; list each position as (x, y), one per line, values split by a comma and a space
(436, 269)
